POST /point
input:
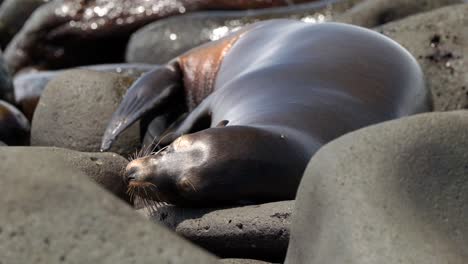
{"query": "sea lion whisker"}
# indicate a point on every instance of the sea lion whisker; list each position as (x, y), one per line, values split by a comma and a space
(161, 139)
(191, 185)
(162, 149)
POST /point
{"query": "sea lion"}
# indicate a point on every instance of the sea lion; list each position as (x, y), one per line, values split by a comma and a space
(262, 101)
(66, 33)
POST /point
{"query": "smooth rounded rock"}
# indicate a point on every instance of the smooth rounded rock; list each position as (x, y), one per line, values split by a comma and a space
(52, 214)
(29, 85)
(13, 15)
(103, 168)
(253, 231)
(439, 41)
(75, 108)
(395, 192)
(371, 13)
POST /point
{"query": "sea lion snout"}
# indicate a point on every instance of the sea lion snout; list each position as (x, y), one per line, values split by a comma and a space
(137, 171)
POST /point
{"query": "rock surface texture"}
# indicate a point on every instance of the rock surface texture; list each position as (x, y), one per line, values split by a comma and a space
(390, 193)
(439, 41)
(75, 108)
(254, 231)
(52, 214)
(103, 168)
(371, 13)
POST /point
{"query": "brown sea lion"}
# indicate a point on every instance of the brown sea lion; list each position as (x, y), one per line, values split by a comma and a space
(262, 101)
(66, 33)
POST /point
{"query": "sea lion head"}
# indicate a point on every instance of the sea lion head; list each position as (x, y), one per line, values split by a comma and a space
(171, 175)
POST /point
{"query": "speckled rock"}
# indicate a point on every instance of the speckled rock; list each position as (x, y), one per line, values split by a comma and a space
(6, 85)
(439, 40)
(103, 168)
(13, 15)
(75, 108)
(254, 231)
(371, 13)
(53, 214)
(395, 192)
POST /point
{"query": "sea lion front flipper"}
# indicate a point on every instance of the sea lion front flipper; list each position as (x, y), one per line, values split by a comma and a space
(148, 93)
(198, 119)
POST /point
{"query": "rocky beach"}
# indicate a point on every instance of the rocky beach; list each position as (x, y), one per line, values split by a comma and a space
(392, 192)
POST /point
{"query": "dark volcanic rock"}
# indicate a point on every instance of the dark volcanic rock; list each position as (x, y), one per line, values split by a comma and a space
(254, 231)
(371, 13)
(75, 108)
(13, 15)
(65, 33)
(50, 213)
(439, 41)
(395, 192)
(14, 127)
(6, 85)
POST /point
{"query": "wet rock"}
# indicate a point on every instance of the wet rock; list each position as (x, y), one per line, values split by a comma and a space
(14, 127)
(439, 41)
(254, 231)
(165, 39)
(390, 193)
(371, 13)
(6, 86)
(75, 108)
(103, 168)
(29, 85)
(52, 214)
(65, 33)
(13, 15)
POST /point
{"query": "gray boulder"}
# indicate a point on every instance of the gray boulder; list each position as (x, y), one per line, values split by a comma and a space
(50, 213)
(254, 231)
(75, 108)
(389, 193)
(103, 168)
(439, 41)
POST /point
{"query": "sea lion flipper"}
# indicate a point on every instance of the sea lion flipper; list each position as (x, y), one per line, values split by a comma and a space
(197, 120)
(142, 97)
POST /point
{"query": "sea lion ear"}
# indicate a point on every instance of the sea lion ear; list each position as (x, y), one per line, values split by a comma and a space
(222, 123)
(150, 92)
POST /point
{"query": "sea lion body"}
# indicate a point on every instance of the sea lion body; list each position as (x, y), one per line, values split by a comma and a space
(264, 101)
